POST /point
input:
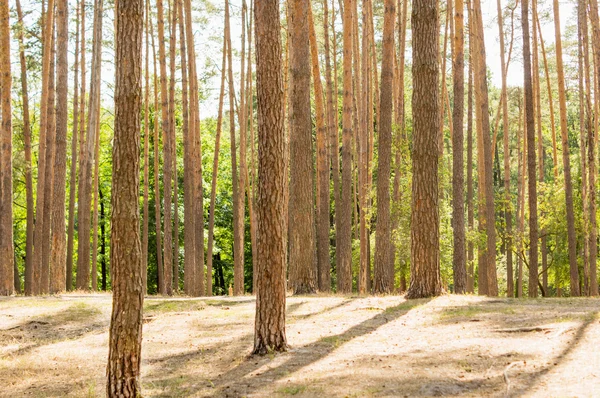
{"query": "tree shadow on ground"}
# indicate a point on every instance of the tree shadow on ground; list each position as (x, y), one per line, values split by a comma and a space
(229, 383)
(73, 322)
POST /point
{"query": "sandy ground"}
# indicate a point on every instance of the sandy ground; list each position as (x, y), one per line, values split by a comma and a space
(339, 347)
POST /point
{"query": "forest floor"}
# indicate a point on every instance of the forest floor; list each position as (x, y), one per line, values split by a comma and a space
(339, 347)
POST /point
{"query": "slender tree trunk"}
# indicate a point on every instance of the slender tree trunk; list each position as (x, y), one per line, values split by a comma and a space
(58, 239)
(322, 221)
(344, 233)
(302, 267)
(157, 214)
(522, 155)
(189, 232)
(146, 183)
(425, 278)
(213, 191)
(238, 210)
(334, 143)
(49, 171)
(95, 208)
(592, 140)
(167, 276)
(27, 149)
(481, 93)
(384, 265)
(531, 171)
(85, 173)
(269, 331)
(173, 138)
(194, 125)
(470, 190)
(125, 337)
(47, 33)
(458, 181)
(7, 257)
(506, 133)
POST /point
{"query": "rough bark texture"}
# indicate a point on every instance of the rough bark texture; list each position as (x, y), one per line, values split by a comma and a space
(531, 170)
(87, 160)
(384, 264)
(194, 125)
(6, 228)
(302, 250)
(125, 337)
(344, 227)
(459, 264)
(487, 195)
(58, 250)
(425, 278)
(322, 221)
(269, 331)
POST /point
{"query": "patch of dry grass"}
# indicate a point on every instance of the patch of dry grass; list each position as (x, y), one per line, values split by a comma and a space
(340, 346)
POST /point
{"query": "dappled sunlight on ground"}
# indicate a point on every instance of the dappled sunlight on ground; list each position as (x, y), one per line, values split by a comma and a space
(339, 346)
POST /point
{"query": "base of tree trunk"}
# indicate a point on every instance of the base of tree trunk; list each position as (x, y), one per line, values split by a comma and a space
(261, 348)
(418, 292)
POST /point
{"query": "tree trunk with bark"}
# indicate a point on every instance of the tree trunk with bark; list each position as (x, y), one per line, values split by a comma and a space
(269, 330)
(7, 257)
(384, 264)
(425, 278)
(531, 170)
(125, 336)
(302, 249)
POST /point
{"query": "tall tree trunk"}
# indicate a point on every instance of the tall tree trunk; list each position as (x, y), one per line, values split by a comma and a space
(458, 182)
(125, 337)
(58, 240)
(506, 133)
(157, 214)
(167, 281)
(7, 257)
(470, 190)
(269, 330)
(238, 208)
(332, 117)
(215, 173)
(531, 171)
(592, 140)
(322, 221)
(189, 233)
(87, 160)
(522, 155)
(41, 183)
(194, 125)
(344, 233)
(384, 265)
(146, 183)
(95, 208)
(425, 278)
(487, 205)
(49, 171)
(302, 266)
(173, 137)
(27, 149)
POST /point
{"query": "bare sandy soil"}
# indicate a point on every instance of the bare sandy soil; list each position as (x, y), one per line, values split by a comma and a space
(339, 347)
